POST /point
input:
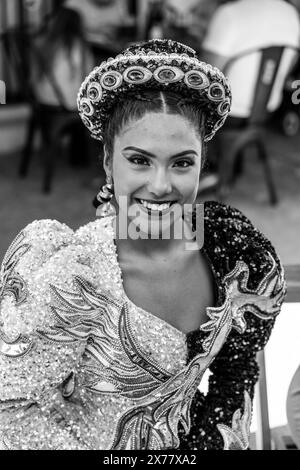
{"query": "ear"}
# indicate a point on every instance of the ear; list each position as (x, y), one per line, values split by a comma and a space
(107, 162)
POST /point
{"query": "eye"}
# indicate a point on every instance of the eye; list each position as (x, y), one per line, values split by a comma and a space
(139, 160)
(184, 163)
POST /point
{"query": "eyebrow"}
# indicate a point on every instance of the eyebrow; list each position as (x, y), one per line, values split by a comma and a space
(149, 154)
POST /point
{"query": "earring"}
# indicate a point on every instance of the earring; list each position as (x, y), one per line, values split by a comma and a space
(104, 197)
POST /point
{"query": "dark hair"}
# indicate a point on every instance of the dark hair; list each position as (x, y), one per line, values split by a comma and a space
(134, 106)
(63, 31)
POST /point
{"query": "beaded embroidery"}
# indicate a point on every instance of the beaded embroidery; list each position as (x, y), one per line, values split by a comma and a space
(11, 283)
(160, 65)
(264, 302)
(237, 437)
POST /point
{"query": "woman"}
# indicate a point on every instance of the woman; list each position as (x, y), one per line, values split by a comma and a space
(106, 332)
(189, 19)
(102, 21)
(61, 60)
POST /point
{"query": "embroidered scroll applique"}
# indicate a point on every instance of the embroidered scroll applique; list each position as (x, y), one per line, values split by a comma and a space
(16, 348)
(264, 302)
(237, 437)
(11, 283)
(4, 444)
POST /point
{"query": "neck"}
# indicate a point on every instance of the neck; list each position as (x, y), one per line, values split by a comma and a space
(156, 248)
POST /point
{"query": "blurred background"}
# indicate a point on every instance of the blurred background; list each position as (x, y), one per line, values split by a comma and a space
(50, 168)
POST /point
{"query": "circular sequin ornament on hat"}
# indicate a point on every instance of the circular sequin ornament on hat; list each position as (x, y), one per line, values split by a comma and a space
(137, 75)
(111, 80)
(216, 92)
(86, 107)
(94, 92)
(224, 107)
(87, 123)
(168, 74)
(196, 80)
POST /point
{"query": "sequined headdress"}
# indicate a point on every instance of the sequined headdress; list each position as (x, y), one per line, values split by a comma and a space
(158, 65)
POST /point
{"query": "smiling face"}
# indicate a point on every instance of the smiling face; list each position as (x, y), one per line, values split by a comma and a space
(155, 164)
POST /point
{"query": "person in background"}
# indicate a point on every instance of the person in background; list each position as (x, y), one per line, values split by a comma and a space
(245, 25)
(68, 59)
(154, 28)
(188, 21)
(101, 21)
(56, 80)
(235, 28)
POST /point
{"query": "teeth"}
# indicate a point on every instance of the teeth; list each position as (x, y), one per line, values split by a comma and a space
(155, 207)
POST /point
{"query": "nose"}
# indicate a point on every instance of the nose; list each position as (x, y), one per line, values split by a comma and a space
(160, 184)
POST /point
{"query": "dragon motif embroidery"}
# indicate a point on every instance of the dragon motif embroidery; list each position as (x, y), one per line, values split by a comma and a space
(237, 437)
(96, 318)
(264, 302)
(157, 415)
(160, 401)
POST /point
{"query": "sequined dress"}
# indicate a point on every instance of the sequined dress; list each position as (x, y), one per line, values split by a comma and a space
(82, 367)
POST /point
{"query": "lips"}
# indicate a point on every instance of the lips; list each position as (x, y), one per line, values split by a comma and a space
(157, 207)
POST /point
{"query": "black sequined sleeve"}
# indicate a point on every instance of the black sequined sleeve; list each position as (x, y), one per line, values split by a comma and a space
(235, 369)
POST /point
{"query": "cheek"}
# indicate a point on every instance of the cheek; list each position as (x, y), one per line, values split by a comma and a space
(125, 180)
(187, 184)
